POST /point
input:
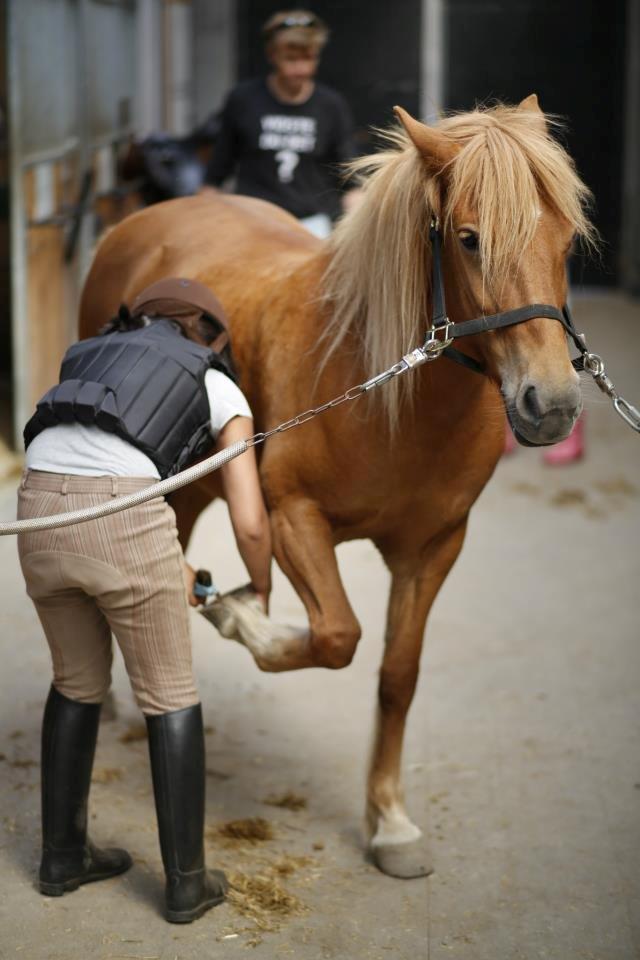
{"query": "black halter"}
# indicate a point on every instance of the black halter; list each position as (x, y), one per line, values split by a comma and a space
(443, 332)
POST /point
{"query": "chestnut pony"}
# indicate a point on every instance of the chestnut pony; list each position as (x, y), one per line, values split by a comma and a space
(310, 318)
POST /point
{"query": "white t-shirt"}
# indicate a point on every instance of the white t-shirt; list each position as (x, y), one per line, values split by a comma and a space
(74, 448)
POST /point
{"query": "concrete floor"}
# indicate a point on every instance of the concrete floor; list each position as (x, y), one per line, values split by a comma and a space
(522, 758)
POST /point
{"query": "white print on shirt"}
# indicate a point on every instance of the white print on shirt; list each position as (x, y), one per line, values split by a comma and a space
(290, 136)
(287, 161)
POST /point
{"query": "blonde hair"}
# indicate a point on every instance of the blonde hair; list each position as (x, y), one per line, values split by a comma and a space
(378, 278)
(308, 31)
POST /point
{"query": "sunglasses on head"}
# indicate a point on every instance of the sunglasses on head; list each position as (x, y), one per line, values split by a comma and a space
(295, 22)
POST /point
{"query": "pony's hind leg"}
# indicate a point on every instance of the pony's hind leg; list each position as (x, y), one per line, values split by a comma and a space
(303, 546)
(397, 844)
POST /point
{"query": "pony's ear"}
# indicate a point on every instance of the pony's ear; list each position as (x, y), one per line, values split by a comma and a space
(531, 105)
(436, 149)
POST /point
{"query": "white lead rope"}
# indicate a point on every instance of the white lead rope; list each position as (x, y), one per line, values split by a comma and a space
(130, 499)
(210, 465)
(431, 350)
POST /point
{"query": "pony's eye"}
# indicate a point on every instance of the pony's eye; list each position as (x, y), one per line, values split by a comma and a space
(469, 240)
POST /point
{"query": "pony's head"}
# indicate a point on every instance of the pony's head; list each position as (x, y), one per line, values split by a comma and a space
(511, 205)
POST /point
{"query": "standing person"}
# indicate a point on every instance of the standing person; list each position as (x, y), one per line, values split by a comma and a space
(284, 135)
(152, 393)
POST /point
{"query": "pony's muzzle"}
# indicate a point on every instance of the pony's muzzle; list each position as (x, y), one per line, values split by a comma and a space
(541, 415)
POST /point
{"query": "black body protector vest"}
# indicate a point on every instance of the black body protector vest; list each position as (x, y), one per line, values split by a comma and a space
(144, 385)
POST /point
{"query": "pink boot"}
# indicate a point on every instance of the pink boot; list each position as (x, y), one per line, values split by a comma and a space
(510, 442)
(569, 450)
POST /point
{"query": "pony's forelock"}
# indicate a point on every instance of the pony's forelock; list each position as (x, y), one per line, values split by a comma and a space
(508, 164)
(378, 277)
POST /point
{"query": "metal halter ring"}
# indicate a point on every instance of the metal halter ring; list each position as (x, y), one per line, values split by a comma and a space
(593, 364)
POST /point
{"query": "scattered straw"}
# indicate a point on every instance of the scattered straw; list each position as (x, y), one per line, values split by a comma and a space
(106, 774)
(288, 800)
(137, 731)
(263, 899)
(528, 489)
(285, 865)
(569, 497)
(251, 830)
(617, 487)
(218, 774)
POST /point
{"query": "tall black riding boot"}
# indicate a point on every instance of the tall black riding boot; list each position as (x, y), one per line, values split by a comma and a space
(176, 749)
(69, 734)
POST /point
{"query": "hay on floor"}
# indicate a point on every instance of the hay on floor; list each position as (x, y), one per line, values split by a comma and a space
(288, 801)
(250, 830)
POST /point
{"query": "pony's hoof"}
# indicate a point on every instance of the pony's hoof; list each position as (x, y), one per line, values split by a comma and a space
(223, 612)
(406, 860)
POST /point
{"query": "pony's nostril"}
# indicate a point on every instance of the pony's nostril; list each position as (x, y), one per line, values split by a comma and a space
(531, 405)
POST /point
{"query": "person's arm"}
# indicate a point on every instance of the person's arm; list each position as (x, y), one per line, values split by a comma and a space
(241, 485)
(225, 153)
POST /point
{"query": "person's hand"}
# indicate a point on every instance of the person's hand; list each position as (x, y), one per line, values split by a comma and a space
(189, 581)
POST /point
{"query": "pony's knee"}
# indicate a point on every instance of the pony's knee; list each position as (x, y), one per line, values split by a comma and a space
(335, 649)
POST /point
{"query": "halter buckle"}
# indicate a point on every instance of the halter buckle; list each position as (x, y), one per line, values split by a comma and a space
(434, 345)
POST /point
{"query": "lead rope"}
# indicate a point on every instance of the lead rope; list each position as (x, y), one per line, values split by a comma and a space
(433, 347)
(211, 464)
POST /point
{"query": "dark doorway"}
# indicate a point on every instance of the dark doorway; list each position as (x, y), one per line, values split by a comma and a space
(572, 54)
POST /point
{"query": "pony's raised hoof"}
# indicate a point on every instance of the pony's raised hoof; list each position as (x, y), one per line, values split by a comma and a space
(238, 615)
(405, 860)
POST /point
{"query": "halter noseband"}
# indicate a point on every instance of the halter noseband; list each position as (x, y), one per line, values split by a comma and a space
(443, 332)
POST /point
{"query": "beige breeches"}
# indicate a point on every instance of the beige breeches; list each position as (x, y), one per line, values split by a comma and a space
(122, 574)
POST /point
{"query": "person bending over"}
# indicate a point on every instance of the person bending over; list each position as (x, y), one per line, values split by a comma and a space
(139, 402)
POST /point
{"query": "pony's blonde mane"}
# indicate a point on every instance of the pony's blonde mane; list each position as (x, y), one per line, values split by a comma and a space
(377, 282)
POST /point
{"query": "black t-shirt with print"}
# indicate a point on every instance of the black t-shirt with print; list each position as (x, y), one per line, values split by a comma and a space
(282, 152)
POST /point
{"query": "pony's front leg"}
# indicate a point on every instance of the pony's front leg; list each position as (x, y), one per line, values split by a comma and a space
(303, 547)
(397, 844)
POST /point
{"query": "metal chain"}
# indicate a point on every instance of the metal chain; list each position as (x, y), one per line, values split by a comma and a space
(430, 351)
(352, 394)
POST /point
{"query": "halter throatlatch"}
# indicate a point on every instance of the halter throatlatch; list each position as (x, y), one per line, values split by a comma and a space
(442, 333)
